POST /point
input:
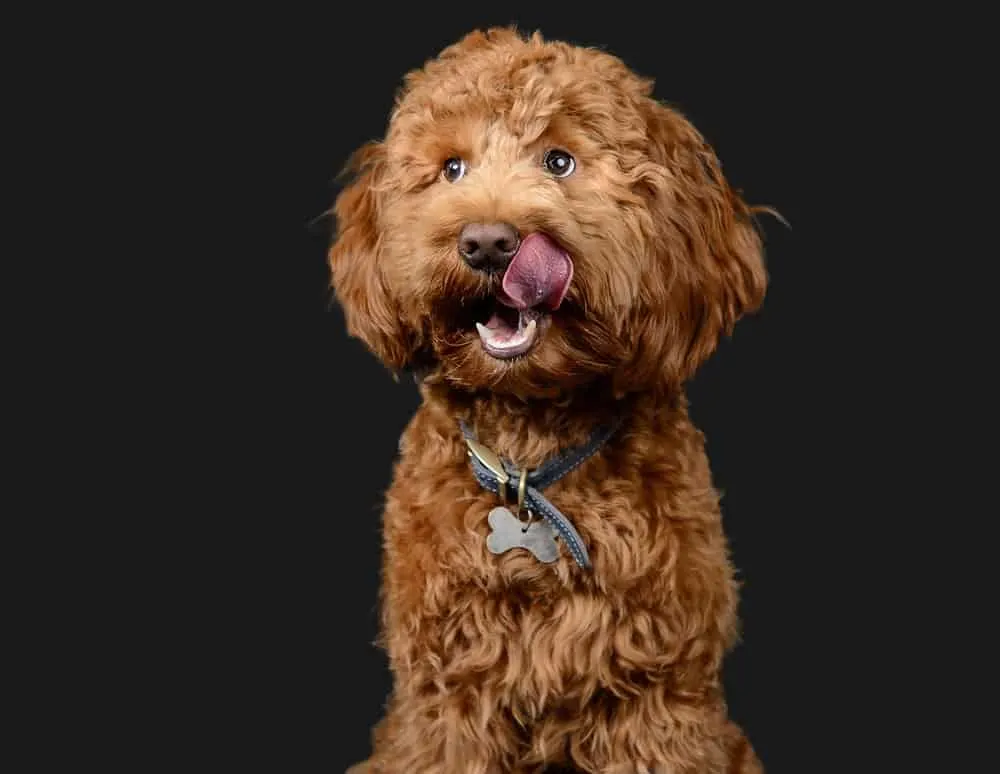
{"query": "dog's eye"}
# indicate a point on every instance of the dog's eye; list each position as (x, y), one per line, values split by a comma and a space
(559, 163)
(453, 169)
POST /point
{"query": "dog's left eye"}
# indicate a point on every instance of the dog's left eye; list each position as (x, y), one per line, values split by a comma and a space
(559, 163)
(453, 169)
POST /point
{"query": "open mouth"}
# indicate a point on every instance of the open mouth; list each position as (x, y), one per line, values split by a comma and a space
(533, 287)
(510, 332)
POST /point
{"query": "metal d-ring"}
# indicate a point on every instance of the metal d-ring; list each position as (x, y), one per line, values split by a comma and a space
(522, 488)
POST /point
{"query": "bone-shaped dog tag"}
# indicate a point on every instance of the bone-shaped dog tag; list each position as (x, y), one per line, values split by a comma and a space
(507, 533)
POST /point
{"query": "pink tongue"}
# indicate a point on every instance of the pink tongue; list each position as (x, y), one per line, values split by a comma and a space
(539, 275)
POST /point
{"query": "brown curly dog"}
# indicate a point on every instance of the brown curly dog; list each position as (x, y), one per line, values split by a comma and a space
(552, 252)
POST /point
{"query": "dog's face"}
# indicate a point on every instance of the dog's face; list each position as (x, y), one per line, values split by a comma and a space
(534, 220)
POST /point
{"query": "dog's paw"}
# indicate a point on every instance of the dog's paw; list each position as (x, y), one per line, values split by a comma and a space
(360, 768)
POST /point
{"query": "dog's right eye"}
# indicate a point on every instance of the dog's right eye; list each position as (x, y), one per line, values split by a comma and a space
(453, 169)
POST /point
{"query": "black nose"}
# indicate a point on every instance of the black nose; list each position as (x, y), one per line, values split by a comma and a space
(488, 246)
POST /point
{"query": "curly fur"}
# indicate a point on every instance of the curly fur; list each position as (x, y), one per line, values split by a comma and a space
(502, 664)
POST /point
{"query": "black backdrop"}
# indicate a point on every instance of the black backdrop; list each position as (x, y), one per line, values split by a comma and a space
(295, 428)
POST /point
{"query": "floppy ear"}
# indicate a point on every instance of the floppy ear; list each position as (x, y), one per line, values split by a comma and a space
(707, 261)
(357, 273)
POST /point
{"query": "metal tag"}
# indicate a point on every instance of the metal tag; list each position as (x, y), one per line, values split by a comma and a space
(508, 533)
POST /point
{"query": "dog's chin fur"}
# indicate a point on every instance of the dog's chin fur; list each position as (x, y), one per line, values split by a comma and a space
(502, 663)
(569, 353)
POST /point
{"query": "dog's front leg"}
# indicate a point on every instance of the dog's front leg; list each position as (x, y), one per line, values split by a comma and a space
(442, 732)
(653, 733)
(447, 714)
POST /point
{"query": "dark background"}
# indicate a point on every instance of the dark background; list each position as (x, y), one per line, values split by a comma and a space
(286, 430)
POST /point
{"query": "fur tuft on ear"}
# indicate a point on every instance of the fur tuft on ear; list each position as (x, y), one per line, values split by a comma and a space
(357, 276)
(707, 262)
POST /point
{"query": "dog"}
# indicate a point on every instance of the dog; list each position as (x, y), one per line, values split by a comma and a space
(552, 253)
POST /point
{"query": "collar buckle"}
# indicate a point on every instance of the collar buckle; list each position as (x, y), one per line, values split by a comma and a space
(489, 460)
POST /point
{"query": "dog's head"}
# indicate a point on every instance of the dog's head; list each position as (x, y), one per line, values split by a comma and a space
(534, 220)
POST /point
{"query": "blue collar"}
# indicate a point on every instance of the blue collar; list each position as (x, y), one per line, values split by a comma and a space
(504, 479)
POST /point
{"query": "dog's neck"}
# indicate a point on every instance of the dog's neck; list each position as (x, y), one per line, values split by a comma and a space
(528, 432)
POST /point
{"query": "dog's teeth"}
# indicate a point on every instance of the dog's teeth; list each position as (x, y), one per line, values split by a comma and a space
(501, 340)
